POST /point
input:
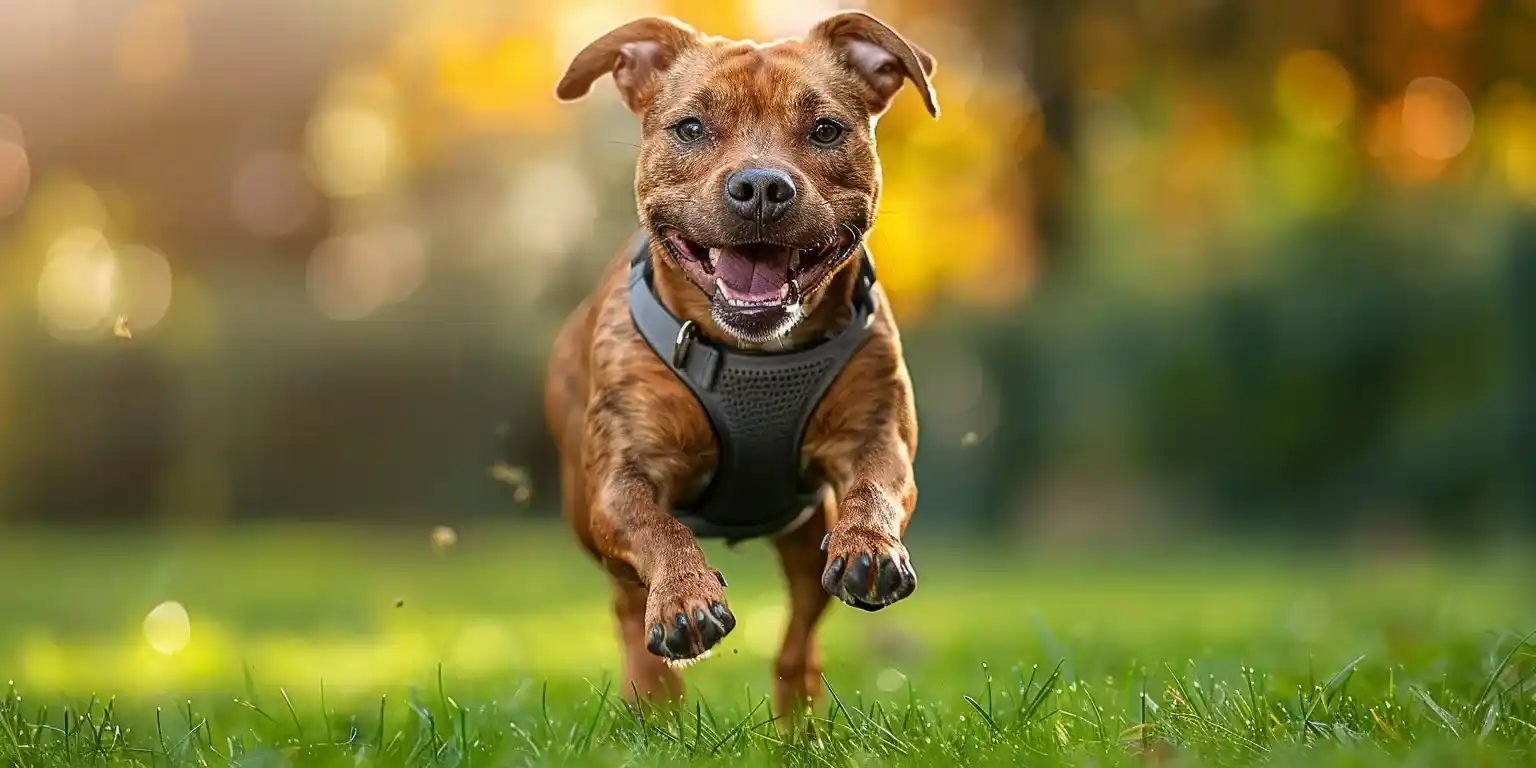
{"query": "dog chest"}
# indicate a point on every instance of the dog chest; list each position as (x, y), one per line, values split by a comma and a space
(758, 405)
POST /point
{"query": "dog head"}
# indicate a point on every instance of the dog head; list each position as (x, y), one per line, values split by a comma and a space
(758, 169)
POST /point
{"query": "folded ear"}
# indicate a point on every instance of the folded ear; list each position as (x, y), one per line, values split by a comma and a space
(878, 55)
(636, 54)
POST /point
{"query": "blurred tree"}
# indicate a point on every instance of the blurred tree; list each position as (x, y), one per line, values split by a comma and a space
(1520, 288)
(1048, 65)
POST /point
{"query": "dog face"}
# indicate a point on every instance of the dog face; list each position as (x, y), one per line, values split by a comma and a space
(758, 168)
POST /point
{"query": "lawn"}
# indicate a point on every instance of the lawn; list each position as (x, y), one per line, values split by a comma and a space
(331, 646)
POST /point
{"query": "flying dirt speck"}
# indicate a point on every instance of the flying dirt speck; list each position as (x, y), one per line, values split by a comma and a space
(443, 538)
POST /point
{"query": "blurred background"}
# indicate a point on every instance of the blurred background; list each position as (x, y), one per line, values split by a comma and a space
(1203, 267)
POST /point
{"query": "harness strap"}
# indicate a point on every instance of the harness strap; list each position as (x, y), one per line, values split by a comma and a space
(758, 404)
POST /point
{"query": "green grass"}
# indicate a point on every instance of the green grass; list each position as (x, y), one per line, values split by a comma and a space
(329, 646)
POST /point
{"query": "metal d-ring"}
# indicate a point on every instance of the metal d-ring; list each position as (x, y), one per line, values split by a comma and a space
(684, 342)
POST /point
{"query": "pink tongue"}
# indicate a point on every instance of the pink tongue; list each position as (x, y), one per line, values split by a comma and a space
(753, 272)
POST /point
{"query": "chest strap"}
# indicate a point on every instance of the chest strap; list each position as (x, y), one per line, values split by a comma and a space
(758, 404)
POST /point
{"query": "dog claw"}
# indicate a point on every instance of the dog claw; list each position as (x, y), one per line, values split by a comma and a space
(890, 576)
(860, 580)
(871, 577)
(825, 542)
(724, 616)
(688, 616)
(832, 579)
(678, 643)
(721, 577)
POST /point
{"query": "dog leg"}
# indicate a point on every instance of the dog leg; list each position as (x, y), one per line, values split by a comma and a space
(867, 565)
(797, 673)
(646, 677)
(639, 542)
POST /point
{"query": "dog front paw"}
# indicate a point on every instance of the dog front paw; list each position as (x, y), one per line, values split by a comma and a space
(687, 615)
(867, 569)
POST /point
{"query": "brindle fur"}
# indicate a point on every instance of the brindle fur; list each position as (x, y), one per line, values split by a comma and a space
(633, 439)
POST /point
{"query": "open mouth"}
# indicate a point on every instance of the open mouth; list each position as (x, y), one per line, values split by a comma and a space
(754, 276)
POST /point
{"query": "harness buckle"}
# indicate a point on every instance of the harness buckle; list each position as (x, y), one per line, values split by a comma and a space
(684, 342)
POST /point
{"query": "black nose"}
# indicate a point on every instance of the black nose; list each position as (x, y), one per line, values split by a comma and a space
(760, 194)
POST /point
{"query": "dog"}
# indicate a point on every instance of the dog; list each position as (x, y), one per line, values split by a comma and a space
(737, 373)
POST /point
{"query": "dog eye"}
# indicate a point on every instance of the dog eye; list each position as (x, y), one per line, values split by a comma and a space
(826, 132)
(688, 131)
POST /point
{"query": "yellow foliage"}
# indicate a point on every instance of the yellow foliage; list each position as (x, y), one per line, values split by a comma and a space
(506, 81)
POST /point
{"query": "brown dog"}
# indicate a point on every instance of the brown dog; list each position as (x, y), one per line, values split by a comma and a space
(737, 373)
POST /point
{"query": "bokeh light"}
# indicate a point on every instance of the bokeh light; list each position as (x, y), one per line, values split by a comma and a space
(375, 260)
(271, 195)
(786, 18)
(890, 680)
(141, 286)
(60, 202)
(353, 142)
(74, 293)
(168, 628)
(1437, 118)
(961, 397)
(1511, 123)
(1388, 144)
(15, 167)
(549, 209)
(152, 45)
(86, 285)
(350, 149)
(1448, 15)
(347, 279)
(1314, 92)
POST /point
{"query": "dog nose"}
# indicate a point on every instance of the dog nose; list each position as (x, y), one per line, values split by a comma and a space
(760, 194)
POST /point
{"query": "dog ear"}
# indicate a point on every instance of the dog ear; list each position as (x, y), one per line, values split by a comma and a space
(879, 55)
(636, 54)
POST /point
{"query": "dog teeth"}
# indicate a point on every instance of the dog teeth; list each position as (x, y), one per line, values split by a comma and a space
(791, 291)
(714, 257)
(720, 287)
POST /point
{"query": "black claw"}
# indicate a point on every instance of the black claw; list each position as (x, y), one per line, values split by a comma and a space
(909, 579)
(678, 643)
(888, 579)
(710, 630)
(833, 577)
(826, 541)
(721, 577)
(654, 643)
(725, 617)
(861, 577)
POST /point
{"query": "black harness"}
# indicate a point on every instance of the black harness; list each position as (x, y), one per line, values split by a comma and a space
(758, 404)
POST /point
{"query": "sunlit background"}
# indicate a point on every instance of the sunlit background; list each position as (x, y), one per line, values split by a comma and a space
(1173, 270)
